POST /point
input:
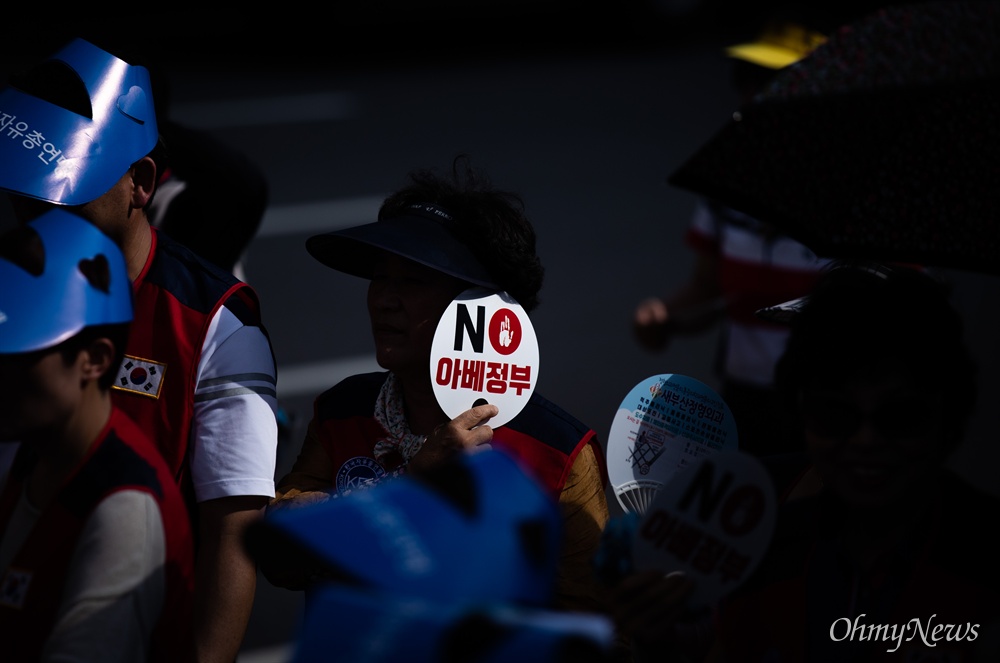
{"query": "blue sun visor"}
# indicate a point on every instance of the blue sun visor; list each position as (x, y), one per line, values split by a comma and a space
(476, 528)
(82, 282)
(369, 626)
(54, 154)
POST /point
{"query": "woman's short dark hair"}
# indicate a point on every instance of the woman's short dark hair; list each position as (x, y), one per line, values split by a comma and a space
(490, 221)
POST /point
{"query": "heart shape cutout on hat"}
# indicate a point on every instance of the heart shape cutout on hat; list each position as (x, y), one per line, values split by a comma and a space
(97, 272)
(133, 104)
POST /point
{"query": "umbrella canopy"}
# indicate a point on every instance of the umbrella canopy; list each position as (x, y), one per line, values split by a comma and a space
(882, 144)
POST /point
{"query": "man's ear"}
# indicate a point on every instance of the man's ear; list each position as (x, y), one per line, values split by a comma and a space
(99, 357)
(143, 181)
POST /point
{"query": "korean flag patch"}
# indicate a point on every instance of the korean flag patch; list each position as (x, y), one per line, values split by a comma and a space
(140, 376)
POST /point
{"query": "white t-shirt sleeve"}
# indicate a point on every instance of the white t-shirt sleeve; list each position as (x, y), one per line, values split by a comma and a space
(235, 431)
(115, 589)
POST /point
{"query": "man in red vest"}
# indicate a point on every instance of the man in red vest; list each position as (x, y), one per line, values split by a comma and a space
(198, 374)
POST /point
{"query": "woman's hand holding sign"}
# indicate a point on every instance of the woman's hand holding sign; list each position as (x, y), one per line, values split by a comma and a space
(466, 431)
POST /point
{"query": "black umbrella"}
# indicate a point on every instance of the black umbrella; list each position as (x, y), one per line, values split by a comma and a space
(883, 144)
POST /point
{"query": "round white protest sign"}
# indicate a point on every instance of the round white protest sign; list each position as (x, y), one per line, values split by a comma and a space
(713, 521)
(484, 350)
(665, 423)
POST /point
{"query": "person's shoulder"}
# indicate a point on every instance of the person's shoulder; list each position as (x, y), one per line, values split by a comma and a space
(801, 527)
(545, 421)
(194, 281)
(353, 396)
(371, 381)
(173, 253)
(127, 456)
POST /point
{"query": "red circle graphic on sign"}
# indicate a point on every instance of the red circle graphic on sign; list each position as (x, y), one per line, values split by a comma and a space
(138, 375)
(505, 331)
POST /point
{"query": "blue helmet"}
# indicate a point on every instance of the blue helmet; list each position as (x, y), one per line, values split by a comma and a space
(38, 311)
(379, 626)
(56, 155)
(476, 528)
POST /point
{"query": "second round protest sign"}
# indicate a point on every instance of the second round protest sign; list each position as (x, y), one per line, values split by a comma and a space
(713, 521)
(484, 351)
(664, 424)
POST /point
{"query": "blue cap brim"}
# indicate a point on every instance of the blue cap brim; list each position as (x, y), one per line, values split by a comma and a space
(403, 534)
(365, 626)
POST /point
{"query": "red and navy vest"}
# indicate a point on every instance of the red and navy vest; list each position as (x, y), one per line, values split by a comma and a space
(542, 437)
(122, 458)
(176, 296)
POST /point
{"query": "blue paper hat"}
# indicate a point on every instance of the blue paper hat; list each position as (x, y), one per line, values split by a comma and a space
(477, 528)
(41, 311)
(69, 159)
(368, 626)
